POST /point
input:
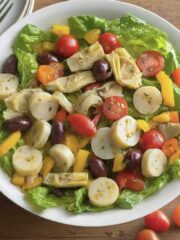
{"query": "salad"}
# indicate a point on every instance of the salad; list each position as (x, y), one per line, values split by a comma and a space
(89, 116)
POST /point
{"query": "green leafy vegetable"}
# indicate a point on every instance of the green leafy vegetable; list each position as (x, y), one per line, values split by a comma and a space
(30, 36)
(27, 67)
(135, 35)
(6, 160)
(128, 198)
(74, 97)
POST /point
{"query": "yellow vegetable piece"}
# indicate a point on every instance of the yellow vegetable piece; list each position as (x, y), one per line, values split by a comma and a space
(9, 142)
(37, 182)
(166, 89)
(92, 36)
(72, 142)
(162, 118)
(174, 157)
(18, 180)
(84, 141)
(60, 29)
(81, 160)
(118, 164)
(48, 46)
(47, 166)
(143, 125)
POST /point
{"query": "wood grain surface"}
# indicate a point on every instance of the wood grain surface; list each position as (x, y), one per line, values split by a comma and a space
(17, 224)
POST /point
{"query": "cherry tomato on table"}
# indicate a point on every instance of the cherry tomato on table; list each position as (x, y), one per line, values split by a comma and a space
(109, 42)
(82, 125)
(150, 63)
(176, 76)
(131, 180)
(115, 108)
(147, 234)
(157, 221)
(176, 215)
(67, 45)
(151, 139)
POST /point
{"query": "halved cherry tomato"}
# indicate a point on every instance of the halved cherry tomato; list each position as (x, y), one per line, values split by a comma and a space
(61, 115)
(131, 180)
(157, 221)
(48, 73)
(115, 108)
(82, 125)
(151, 139)
(147, 234)
(150, 63)
(176, 215)
(176, 76)
(92, 86)
(67, 45)
(109, 42)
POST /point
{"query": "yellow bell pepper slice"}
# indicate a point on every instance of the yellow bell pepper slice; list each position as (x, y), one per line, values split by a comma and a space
(118, 164)
(84, 141)
(47, 166)
(166, 89)
(72, 142)
(162, 118)
(81, 160)
(92, 36)
(60, 29)
(18, 180)
(174, 157)
(9, 142)
(37, 182)
(143, 125)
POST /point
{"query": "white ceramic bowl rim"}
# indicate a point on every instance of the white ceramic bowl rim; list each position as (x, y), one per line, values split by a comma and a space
(115, 216)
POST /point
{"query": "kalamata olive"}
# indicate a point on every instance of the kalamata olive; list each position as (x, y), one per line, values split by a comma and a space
(57, 132)
(101, 70)
(10, 65)
(46, 58)
(133, 158)
(97, 167)
(18, 124)
(57, 191)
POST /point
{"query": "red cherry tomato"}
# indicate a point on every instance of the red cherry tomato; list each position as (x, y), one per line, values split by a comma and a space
(157, 221)
(147, 234)
(109, 42)
(115, 108)
(92, 86)
(82, 125)
(67, 45)
(176, 76)
(150, 63)
(151, 139)
(131, 180)
(176, 215)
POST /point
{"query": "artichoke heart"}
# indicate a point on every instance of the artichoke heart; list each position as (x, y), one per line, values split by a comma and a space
(124, 68)
(71, 83)
(84, 59)
(65, 180)
(63, 101)
(19, 101)
(88, 99)
(109, 89)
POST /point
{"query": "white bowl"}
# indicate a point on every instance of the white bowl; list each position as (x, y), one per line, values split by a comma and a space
(58, 13)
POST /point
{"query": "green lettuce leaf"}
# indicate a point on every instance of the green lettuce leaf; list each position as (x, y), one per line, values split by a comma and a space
(30, 36)
(6, 160)
(128, 198)
(135, 35)
(27, 67)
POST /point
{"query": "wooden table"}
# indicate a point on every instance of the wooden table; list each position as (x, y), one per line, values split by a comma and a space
(17, 224)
